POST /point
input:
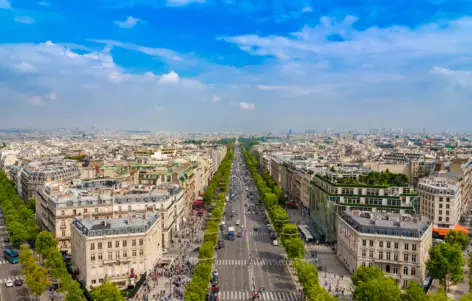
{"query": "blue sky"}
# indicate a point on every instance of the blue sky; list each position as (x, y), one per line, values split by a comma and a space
(243, 65)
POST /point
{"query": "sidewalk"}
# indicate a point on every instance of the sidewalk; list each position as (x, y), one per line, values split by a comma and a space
(332, 274)
(172, 280)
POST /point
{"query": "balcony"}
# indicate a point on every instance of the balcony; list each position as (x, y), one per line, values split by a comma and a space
(63, 227)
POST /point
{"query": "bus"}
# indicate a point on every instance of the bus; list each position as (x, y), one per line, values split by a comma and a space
(11, 255)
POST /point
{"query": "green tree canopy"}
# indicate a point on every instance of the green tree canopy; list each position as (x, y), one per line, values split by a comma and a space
(377, 289)
(107, 292)
(45, 241)
(364, 274)
(446, 263)
(415, 292)
(459, 238)
(37, 280)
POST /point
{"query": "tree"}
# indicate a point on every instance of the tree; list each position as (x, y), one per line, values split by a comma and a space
(446, 263)
(27, 259)
(107, 292)
(364, 274)
(37, 280)
(458, 237)
(31, 204)
(377, 289)
(45, 241)
(415, 292)
(294, 248)
(74, 292)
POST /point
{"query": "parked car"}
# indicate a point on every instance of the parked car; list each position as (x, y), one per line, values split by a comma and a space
(8, 283)
(18, 282)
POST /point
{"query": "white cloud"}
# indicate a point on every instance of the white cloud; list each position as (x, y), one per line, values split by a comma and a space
(5, 4)
(169, 78)
(52, 96)
(216, 98)
(297, 90)
(36, 100)
(247, 106)
(307, 9)
(183, 2)
(25, 67)
(159, 52)
(130, 22)
(25, 20)
(461, 78)
(44, 3)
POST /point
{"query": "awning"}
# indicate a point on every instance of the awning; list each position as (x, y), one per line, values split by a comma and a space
(198, 202)
(306, 233)
(444, 231)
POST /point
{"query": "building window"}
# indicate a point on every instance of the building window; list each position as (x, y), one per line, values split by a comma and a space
(109, 244)
(413, 247)
(371, 243)
(133, 242)
(413, 271)
(92, 257)
(370, 264)
(117, 254)
(63, 212)
(405, 284)
(92, 246)
(364, 242)
(110, 255)
(381, 255)
(389, 245)
(364, 253)
(405, 257)
(94, 281)
(63, 233)
(85, 210)
(117, 244)
(406, 246)
(125, 254)
(413, 258)
(395, 257)
(125, 243)
(363, 264)
(96, 210)
(395, 245)
(134, 253)
(141, 252)
(100, 256)
(371, 254)
(389, 256)
(381, 244)
(141, 242)
(395, 269)
(405, 270)
(63, 222)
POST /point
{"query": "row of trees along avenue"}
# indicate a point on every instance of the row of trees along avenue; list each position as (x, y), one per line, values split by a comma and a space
(24, 233)
(214, 198)
(274, 200)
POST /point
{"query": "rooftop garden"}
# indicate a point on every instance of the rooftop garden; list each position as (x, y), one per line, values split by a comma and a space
(374, 178)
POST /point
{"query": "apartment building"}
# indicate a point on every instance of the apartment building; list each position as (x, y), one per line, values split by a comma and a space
(464, 169)
(102, 199)
(30, 179)
(115, 249)
(397, 243)
(343, 188)
(440, 200)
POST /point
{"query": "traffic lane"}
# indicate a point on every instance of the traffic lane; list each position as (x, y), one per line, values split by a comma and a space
(12, 271)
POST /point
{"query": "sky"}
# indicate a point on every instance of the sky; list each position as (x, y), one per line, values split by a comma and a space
(236, 65)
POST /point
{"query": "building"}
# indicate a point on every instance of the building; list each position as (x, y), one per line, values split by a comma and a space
(397, 243)
(440, 201)
(115, 249)
(334, 190)
(29, 180)
(102, 199)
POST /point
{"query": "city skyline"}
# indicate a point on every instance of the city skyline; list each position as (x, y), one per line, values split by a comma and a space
(183, 65)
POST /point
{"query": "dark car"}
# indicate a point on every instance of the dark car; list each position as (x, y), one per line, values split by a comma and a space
(273, 235)
(18, 282)
(6, 239)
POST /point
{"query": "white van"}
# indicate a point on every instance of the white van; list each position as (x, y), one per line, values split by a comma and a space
(238, 222)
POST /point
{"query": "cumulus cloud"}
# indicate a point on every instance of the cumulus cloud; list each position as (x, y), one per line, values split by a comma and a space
(52, 96)
(169, 78)
(25, 67)
(247, 106)
(183, 2)
(307, 9)
(44, 3)
(461, 78)
(25, 20)
(216, 98)
(5, 4)
(36, 100)
(130, 22)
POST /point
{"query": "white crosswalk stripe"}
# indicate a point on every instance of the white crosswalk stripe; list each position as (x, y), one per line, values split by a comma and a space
(269, 262)
(258, 233)
(275, 296)
(3, 262)
(230, 262)
(13, 278)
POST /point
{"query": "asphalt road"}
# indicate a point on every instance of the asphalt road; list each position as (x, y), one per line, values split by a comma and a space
(9, 271)
(252, 261)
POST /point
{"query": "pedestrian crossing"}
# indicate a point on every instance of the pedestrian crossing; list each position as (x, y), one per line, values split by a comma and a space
(4, 262)
(279, 296)
(258, 233)
(11, 278)
(257, 262)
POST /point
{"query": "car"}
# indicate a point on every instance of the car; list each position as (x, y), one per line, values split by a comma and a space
(8, 283)
(238, 223)
(275, 242)
(273, 235)
(18, 282)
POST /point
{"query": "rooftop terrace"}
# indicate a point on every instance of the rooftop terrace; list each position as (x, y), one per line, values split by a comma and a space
(363, 177)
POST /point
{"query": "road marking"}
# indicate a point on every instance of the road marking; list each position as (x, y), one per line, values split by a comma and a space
(11, 278)
(245, 295)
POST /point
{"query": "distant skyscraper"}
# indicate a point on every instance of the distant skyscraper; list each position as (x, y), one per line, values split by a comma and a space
(289, 131)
